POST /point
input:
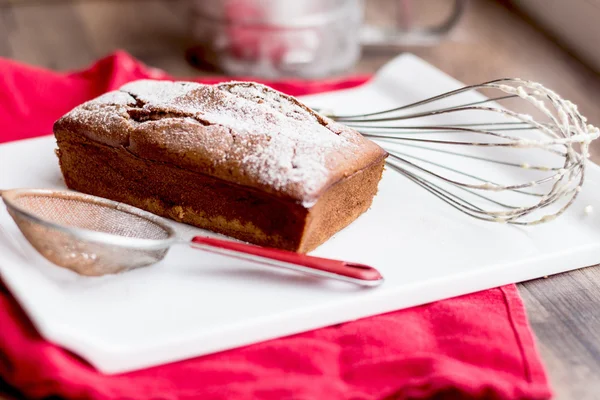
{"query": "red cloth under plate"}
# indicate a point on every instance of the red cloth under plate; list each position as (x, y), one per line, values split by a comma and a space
(478, 346)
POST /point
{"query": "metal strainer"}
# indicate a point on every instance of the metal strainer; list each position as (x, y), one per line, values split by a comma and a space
(95, 236)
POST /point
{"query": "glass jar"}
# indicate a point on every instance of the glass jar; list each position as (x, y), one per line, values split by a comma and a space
(302, 38)
(273, 38)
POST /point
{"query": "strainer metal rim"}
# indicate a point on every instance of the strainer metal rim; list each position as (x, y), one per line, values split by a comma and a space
(89, 235)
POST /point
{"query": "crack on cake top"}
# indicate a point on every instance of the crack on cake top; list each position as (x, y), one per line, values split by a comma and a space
(277, 141)
(261, 94)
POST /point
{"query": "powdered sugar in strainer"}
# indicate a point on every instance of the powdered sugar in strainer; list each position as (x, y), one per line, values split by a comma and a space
(96, 236)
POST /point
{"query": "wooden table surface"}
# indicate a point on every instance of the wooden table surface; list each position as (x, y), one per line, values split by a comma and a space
(491, 41)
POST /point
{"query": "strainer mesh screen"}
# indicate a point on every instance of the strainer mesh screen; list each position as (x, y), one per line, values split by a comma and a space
(69, 250)
(89, 215)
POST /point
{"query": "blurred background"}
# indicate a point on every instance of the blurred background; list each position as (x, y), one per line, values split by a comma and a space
(550, 41)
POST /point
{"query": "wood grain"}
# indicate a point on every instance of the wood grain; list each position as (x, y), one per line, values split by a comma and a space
(563, 311)
(34, 40)
(491, 41)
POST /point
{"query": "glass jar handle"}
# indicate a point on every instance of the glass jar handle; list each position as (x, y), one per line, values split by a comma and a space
(404, 34)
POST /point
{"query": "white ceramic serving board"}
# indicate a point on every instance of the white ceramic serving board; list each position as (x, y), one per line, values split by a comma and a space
(195, 303)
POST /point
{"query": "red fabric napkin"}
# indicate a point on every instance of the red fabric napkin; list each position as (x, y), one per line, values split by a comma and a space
(478, 346)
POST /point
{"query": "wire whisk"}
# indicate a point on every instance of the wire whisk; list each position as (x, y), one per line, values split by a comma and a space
(476, 153)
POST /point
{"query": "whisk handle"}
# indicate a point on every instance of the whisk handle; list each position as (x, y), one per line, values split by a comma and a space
(336, 269)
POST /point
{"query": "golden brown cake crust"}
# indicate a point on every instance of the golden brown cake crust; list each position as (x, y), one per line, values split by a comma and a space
(241, 132)
(236, 158)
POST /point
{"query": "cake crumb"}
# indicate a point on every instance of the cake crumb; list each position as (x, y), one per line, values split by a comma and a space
(178, 210)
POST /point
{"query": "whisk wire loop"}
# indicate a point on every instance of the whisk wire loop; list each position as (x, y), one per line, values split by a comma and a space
(512, 167)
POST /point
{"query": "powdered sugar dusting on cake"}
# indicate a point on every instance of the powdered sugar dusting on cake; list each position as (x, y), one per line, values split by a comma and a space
(114, 103)
(298, 144)
(114, 98)
(275, 141)
(260, 93)
(158, 92)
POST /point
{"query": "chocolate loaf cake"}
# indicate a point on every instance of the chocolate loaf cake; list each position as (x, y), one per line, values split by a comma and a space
(236, 158)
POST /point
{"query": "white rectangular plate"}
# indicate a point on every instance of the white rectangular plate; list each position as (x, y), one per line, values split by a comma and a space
(195, 303)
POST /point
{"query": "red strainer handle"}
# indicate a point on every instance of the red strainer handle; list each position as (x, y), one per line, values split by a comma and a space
(323, 267)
